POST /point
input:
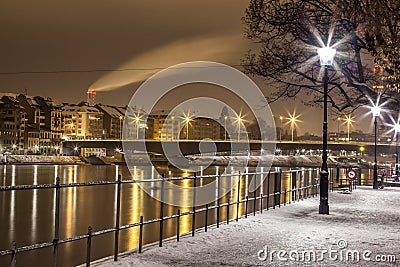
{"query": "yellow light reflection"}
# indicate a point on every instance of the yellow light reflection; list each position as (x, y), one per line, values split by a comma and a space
(186, 199)
(135, 202)
(34, 205)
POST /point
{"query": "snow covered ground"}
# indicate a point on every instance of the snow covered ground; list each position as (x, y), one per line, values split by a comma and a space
(365, 223)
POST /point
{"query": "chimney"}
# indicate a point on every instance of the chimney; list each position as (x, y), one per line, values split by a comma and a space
(91, 97)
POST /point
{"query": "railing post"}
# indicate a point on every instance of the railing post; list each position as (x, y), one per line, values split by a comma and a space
(88, 246)
(140, 234)
(56, 223)
(14, 254)
(227, 211)
(254, 194)
(284, 202)
(117, 218)
(178, 225)
(277, 188)
(337, 174)
(218, 196)
(194, 205)
(206, 222)
(246, 206)
(238, 198)
(161, 212)
(268, 189)
(294, 185)
(261, 202)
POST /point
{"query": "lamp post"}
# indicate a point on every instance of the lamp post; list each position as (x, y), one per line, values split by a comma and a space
(326, 55)
(172, 127)
(348, 120)
(293, 119)
(137, 119)
(120, 126)
(376, 111)
(225, 118)
(187, 122)
(239, 120)
(396, 132)
(280, 131)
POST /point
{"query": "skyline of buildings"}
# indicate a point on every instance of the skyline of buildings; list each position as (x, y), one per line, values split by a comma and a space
(38, 125)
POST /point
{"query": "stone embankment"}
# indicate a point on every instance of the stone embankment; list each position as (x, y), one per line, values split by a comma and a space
(38, 159)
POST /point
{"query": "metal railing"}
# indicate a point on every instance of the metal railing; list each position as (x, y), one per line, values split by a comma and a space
(300, 187)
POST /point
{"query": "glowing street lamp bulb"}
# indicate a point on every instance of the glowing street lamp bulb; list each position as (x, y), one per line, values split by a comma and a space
(76, 148)
(376, 111)
(326, 55)
(396, 128)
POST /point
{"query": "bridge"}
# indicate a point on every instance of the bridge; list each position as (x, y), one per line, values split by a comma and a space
(187, 147)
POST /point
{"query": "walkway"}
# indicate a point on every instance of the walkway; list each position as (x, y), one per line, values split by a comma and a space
(364, 223)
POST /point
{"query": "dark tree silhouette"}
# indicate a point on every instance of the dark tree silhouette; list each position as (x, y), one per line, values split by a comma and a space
(366, 35)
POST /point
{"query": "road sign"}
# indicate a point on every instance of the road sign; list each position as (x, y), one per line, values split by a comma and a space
(351, 174)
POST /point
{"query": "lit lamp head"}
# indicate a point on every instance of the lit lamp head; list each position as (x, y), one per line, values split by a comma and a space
(326, 55)
(376, 111)
(396, 128)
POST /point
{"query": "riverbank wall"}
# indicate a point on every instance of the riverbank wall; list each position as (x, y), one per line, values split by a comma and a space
(38, 159)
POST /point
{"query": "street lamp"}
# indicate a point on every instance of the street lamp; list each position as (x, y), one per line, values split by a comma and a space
(187, 120)
(396, 128)
(293, 119)
(225, 118)
(120, 126)
(239, 120)
(172, 127)
(280, 131)
(326, 55)
(137, 120)
(376, 111)
(349, 121)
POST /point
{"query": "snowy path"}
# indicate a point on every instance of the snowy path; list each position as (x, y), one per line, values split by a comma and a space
(366, 219)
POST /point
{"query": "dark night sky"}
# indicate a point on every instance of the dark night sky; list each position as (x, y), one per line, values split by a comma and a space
(47, 35)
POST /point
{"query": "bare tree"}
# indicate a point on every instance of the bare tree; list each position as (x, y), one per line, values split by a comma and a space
(365, 33)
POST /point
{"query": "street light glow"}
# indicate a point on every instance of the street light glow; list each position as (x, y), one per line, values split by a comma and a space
(187, 118)
(293, 120)
(349, 121)
(376, 110)
(396, 128)
(326, 55)
(239, 120)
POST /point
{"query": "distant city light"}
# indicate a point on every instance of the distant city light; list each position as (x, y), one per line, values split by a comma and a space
(293, 120)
